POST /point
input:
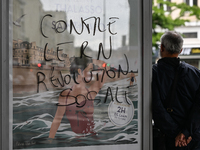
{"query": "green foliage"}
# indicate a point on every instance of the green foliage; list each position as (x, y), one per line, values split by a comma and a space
(155, 38)
(162, 19)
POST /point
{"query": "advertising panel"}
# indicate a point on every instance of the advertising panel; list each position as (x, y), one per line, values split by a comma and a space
(77, 74)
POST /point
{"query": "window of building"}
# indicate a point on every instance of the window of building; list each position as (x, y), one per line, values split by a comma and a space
(168, 7)
(187, 2)
(191, 2)
(195, 2)
(164, 6)
(190, 34)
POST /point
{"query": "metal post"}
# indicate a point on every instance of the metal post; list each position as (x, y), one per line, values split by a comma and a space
(5, 76)
(147, 73)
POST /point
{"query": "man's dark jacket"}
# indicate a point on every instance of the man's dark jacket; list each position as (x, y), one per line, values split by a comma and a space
(185, 117)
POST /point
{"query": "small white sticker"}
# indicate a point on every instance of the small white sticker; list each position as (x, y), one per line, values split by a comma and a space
(121, 111)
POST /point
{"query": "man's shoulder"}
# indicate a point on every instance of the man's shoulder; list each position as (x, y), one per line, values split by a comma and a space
(159, 68)
(190, 67)
(155, 66)
(190, 71)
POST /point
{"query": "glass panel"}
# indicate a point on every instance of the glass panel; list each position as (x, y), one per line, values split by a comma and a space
(77, 74)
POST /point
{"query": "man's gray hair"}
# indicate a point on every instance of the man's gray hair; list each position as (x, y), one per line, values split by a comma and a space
(172, 41)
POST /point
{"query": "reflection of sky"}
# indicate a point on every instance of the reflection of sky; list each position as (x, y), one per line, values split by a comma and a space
(76, 9)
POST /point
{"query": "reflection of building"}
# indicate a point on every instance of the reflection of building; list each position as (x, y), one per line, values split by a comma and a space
(191, 33)
(29, 54)
(55, 38)
(30, 26)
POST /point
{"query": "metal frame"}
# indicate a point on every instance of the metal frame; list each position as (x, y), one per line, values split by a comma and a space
(147, 74)
(6, 75)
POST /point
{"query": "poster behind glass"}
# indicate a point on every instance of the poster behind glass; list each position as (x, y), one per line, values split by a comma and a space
(76, 74)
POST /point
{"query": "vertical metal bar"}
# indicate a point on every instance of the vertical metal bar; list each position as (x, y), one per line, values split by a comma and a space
(104, 22)
(147, 73)
(5, 76)
(1, 76)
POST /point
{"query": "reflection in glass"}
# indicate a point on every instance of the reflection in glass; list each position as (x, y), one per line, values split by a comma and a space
(53, 94)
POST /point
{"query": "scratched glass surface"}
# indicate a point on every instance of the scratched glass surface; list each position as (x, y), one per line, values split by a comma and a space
(75, 58)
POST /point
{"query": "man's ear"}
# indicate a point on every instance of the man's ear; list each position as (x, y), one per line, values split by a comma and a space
(162, 47)
(180, 51)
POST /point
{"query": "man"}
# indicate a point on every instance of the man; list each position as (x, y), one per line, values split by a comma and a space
(178, 118)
